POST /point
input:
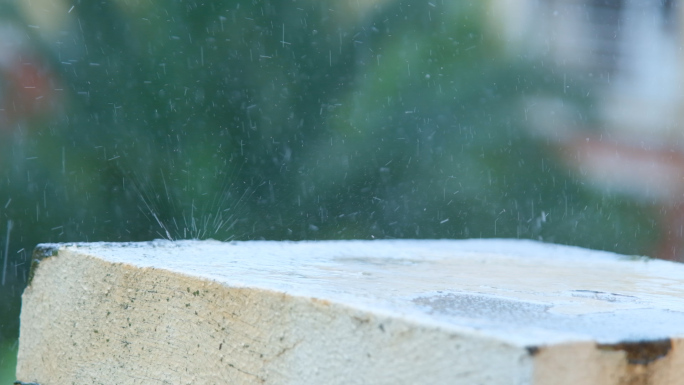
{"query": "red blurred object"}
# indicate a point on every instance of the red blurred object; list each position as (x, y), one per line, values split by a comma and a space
(651, 174)
(27, 85)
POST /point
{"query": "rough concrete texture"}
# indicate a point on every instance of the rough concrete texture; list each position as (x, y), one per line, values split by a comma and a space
(350, 312)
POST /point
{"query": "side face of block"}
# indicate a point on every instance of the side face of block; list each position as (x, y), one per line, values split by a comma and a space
(88, 321)
(381, 312)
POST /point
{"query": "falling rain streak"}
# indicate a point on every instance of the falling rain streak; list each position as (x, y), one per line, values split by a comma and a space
(6, 253)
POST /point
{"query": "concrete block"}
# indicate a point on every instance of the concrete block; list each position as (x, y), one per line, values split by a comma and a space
(350, 312)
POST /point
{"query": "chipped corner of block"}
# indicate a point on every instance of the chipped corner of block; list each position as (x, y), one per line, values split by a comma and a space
(41, 252)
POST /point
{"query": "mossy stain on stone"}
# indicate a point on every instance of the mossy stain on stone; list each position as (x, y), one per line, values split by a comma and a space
(641, 352)
(40, 253)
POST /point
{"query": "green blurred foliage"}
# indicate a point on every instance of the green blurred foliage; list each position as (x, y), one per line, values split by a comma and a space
(8, 361)
(285, 120)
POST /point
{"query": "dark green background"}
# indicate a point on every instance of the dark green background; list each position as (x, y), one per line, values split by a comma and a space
(184, 119)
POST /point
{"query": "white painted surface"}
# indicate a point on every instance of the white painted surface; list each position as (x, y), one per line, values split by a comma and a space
(338, 312)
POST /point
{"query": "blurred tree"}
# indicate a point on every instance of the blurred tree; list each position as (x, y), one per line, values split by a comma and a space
(281, 120)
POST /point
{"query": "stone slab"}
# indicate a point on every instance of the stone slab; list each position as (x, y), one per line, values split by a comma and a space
(350, 312)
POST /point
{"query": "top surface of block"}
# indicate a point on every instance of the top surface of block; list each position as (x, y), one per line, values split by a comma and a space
(523, 292)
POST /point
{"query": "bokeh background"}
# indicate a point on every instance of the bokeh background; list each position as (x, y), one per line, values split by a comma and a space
(130, 120)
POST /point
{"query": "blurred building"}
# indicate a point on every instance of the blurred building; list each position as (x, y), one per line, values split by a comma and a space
(627, 55)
